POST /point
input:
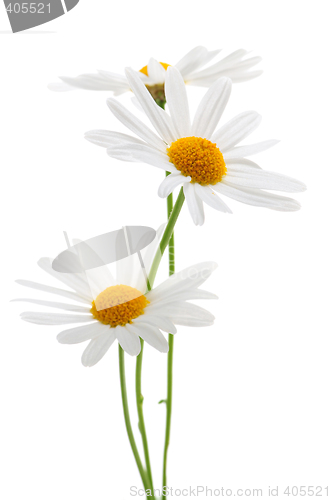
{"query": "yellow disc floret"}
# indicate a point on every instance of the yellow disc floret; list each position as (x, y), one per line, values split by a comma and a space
(144, 70)
(118, 305)
(198, 158)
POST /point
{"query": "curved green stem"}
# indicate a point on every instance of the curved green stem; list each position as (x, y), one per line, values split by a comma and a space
(168, 233)
(127, 419)
(141, 423)
(167, 239)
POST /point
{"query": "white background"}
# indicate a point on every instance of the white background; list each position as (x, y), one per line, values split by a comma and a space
(252, 394)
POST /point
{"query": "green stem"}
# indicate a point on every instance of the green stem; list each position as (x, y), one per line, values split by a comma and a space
(168, 233)
(168, 402)
(167, 238)
(141, 423)
(171, 262)
(127, 419)
(168, 406)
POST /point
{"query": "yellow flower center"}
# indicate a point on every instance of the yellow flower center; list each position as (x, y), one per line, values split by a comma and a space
(198, 158)
(144, 70)
(118, 305)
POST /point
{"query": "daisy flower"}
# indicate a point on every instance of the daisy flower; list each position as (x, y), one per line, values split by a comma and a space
(193, 68)
(119, 309)
(205, 161)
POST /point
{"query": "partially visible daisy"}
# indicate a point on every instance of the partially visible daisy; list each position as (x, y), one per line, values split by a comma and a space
(121, 310)
(193, 68)
(205, 161)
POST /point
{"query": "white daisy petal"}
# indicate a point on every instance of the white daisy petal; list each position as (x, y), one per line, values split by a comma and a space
(257, 198)
(137, 105)
(185, 309)
(144, 78)
(158, 117)
(189, 294)
(82, 333)
(54, 318)
(236, 130)
(99, 277)
(260, 179)
(249, 150)
(106, 138)
(189, 278)
(241, 165)
(241, 67)
(199, 63)
(211, 108)
(210, 198)
(205, 59)
(192, 311)
(135, 124)
(245, 77)
(177, 101)
(246, 64)
(192, 60)
(201, 82)
(125, 270)
(90, 82)
(142, 153)
(156, 71)
(194, 322)
(150, 334)
(118, 81)
(77, 282)
(228, 61)
(159, 321)
(170, 183)
(51, 289)
(128, 340)
(195, 204)
(98, 347)
(224, 64)
(116, 93)
(57, 305)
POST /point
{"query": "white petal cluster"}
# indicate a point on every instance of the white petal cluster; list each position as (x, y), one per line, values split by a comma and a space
(168, 306)
(245, 181)
(193, 67)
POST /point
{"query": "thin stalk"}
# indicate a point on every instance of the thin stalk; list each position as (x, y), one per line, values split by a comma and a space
(168, 402)
(166, 236)
(141, 423)
(127, 419)
(171, 261)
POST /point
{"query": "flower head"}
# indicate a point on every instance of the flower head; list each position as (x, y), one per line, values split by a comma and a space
(205, 161)
(193, 69)
(111, 309)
